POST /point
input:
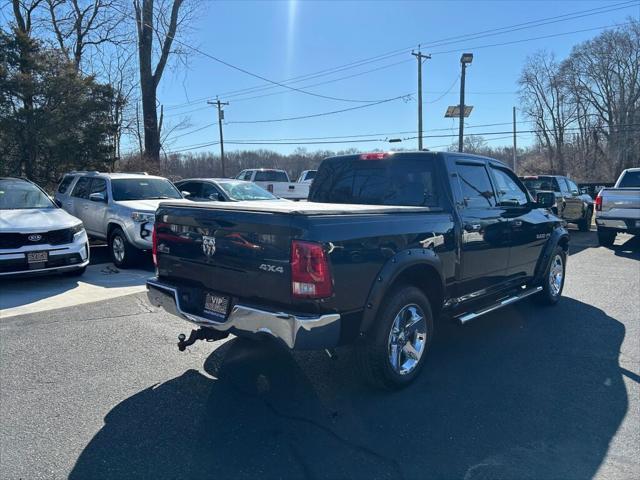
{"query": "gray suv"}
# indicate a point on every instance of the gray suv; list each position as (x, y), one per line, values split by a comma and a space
(116, 207)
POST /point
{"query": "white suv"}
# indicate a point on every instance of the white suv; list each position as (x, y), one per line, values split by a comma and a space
(35, 235)
(116, 207)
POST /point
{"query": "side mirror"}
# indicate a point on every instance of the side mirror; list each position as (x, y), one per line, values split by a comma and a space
(545, 199)
(185, 194)
(98, 197)
(216, 197)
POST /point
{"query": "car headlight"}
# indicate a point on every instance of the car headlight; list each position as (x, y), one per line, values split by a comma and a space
(142, 217)
(76, 229)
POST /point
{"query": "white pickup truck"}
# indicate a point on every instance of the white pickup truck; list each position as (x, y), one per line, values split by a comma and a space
(618, 208)
(277, 182)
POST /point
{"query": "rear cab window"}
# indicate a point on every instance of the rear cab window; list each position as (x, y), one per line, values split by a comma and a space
(399, 179)
(630, 179)
(271, 176)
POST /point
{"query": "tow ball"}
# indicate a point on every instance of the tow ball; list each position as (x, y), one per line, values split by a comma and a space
(207, 334)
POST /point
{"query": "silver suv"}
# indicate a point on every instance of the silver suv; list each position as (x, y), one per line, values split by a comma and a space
(116, 207)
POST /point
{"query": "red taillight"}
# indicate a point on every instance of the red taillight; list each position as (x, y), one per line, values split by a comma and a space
(154, 249)
(599, 203)
(310, 272)
(375, 156)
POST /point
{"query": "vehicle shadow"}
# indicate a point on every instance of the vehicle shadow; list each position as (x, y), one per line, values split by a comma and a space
(524, 393)
(628, 247)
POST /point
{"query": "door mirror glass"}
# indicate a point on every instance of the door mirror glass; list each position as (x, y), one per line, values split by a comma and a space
(545, 199)
(98, 197)
(185, 194)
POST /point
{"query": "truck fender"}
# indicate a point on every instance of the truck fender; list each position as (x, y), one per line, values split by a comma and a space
(400, 263)
(559, 236)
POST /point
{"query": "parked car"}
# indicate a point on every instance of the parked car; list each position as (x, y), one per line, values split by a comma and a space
(222, 190)
(387, 244)
(307, 176)
(618, 208)
(276, 182)
(116, 207)
(571, 205)
(35, 235)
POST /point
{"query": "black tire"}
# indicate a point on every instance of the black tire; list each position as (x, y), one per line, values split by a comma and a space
(76, 273)
(584, 225)
(374, 354)
(550, 295)
(118, 241)
(606, 237)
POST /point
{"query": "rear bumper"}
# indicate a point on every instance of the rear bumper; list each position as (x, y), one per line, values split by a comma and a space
(299, 332)
(629, 225)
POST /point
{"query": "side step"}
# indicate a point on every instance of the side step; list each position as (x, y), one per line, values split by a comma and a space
(466, 317)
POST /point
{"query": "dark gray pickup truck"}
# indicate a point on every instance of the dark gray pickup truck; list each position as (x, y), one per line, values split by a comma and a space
(387, 244)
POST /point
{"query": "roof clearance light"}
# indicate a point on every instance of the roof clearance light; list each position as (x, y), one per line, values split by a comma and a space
(375, 156)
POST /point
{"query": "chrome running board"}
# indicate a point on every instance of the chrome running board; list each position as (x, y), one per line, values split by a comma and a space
(466, 317)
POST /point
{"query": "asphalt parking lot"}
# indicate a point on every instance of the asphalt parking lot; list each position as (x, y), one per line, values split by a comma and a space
(99, 390)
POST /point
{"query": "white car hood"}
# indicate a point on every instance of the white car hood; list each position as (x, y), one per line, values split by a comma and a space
(142, 205)
(35, 220)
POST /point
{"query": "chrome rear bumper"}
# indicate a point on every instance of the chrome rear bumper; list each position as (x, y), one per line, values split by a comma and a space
(300, 332)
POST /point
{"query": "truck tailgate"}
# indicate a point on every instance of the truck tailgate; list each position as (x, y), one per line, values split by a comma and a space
(621, 202)
(241, 254)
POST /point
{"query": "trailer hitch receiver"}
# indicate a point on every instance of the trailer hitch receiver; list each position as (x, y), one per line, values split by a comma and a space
(207, 334)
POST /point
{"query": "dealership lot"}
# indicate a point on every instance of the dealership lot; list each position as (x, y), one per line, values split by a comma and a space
(92, 386)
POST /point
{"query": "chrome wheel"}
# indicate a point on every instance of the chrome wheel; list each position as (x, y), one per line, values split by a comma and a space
(407, 339)
(556, 275)
(117, 245)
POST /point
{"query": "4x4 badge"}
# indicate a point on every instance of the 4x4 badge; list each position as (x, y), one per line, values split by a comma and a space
(208, 245)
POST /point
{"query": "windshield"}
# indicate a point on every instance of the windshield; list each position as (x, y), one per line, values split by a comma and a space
(538, 183)
(143, 189)
(630, 180)
(392, 181)
(18, 194)
(271, 176)
(245, 191)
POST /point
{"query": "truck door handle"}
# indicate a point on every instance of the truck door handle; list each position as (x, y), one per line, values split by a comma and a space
(472, 227)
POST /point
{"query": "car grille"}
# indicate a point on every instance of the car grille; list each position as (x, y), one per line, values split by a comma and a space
(52, 237)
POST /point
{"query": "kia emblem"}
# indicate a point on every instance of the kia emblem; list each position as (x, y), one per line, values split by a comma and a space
(36, 237)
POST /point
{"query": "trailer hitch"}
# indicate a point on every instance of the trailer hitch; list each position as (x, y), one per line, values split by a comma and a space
(207, 334)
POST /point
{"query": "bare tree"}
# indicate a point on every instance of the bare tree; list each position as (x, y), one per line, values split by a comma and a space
(546, 102)
(604, 77)
(157, 25)
(80, 25)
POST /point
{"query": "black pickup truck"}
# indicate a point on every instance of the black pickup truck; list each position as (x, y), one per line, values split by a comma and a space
(386, 245)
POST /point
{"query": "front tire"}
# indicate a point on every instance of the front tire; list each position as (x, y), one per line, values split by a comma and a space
(395, 352)
(553, 279)
(584, 224)
(123, 254)
(606, 238)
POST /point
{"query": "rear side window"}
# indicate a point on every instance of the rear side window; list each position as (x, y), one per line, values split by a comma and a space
(630, 180)
(65, 183)
(390, 181)
(271, 176)
(81, 190)
(475, 186)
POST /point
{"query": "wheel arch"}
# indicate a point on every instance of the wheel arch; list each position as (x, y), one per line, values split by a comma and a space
(559, 237)
(419, 267)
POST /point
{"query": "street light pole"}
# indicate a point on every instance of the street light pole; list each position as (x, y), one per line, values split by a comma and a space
(464, 60)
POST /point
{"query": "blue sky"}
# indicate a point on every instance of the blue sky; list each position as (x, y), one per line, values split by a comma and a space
(283, 39)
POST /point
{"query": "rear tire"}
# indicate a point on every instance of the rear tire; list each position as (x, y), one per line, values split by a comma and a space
(584, 225)
(606, 238)
(553, 278)
(399, 341)
(123, 254)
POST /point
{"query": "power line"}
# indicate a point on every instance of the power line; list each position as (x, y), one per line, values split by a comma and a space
(445, 41)
(314, 115)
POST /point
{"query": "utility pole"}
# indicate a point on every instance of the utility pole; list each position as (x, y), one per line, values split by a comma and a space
(419, 56)
(466, 59)
(515, 161)
(219, 104)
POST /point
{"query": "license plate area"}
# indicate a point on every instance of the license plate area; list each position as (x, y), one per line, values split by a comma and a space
(37, 257)
(216, 305)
